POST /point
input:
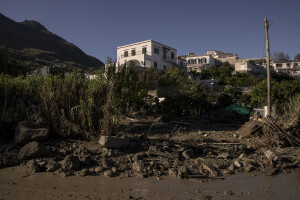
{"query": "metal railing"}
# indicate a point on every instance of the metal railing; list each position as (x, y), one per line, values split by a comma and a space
(136, 54)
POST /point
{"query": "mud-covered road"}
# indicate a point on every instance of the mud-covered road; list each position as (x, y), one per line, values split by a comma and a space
(16, 183)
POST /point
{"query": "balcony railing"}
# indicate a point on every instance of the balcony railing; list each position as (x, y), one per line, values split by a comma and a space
(169, 58)
(136, 54)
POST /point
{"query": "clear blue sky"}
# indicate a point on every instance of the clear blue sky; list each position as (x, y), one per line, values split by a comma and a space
(98, 27)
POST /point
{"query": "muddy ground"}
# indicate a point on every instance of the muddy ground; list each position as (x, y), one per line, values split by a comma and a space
(175, 157)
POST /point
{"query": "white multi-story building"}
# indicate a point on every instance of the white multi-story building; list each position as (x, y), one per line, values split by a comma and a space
(148, 54)
(291, 68)
(198, 62)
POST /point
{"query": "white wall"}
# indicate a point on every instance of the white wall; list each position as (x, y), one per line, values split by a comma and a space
(148, 59)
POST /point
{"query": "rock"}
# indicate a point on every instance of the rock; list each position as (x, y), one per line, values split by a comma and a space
(84, 172)
(210, 169)
(237, 164)
(140, 175)
(172, 173)
(189, 154)
(139, 156)
(33, 166)
(27, 131)
(228, 192)
(231, 167)
(223, 155)
(70, 163)
(114, 170)
(108, 173)
(51, 166)
(138, 166)
(242, 155)
(271, 155)
(249, 168)
(113, 142)
(32, 150)
(41, 122)
(183, 170)
(98, 170)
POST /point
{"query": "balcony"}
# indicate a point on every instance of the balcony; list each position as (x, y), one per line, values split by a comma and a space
(136, 54)
(169, 58)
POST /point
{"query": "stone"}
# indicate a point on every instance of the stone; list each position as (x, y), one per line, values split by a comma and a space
(210, 169)
(33, 166)
(27, 131)
(113, 142)
(70, 163)
(98, 170)
(114, 170)
(138, 166)
(228, 192)
(32, 150)
(84, 172)
(237, 164)
(172, 173)
(242, 155)
(271, 155)
(183, 170)
(189, 154)
(140, 175)
(249, 168)
(231, 167)
(51, 166)
(108, 173)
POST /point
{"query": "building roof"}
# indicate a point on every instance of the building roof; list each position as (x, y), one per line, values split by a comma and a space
(128, 45)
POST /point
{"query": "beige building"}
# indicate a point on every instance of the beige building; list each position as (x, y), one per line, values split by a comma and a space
(248, 66)
(148, 54)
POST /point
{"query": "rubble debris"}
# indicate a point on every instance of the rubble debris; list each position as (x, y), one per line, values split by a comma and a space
(70, 163)
(113, 142)
(32, 150)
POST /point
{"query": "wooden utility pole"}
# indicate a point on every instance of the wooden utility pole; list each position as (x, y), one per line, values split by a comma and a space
(268, 67)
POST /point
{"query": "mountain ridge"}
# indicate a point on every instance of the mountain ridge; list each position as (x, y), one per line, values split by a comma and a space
(31, 34)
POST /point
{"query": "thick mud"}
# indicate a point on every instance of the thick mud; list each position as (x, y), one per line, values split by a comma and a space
(17, 183)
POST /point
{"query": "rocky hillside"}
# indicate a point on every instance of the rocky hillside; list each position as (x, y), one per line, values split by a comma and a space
(32, 35)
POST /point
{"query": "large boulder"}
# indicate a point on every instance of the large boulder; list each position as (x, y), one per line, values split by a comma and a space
(70, 163)
(32, 150)
(113, 142)
(28, 131)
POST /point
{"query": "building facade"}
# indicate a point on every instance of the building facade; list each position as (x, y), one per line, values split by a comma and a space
(290, 68)
(248, 66)
(149, 54)
(198, 62)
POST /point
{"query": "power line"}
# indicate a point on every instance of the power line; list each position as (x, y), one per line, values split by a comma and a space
(283, 19)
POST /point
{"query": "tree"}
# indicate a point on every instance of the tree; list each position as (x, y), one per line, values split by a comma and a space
(297, 58)
(280, 56)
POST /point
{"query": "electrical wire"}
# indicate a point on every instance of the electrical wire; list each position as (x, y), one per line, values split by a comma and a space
(283, 19)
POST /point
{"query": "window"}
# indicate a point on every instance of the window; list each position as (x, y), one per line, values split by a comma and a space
(144, 50)
(155, 65)
(165, 67)
(133, 52)
(125, 53)
(172, 55)
(156, 50)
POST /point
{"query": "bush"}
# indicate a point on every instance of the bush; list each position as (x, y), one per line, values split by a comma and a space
(183, 96)
(73, 106)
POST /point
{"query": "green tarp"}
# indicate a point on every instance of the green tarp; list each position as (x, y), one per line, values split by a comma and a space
(237, 107)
